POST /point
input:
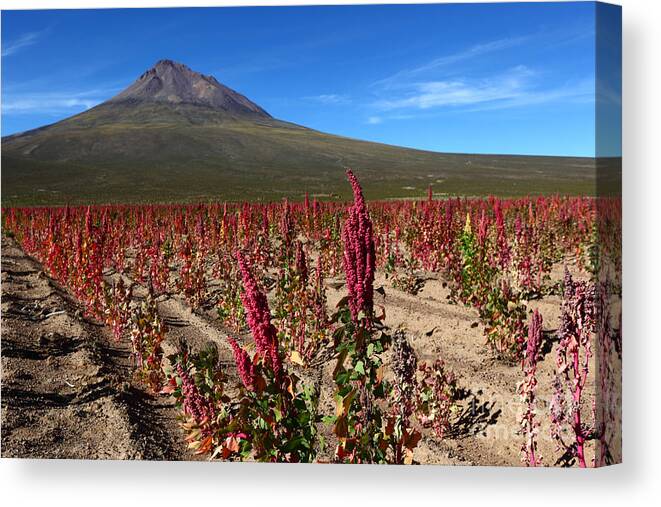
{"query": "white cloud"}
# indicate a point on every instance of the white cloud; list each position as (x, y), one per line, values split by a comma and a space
(48, 104)
(374, 120)
(52, 102)
(407, 75)
(330, 98)
(517, 87)
(581, 91)
(457, 92)
(27, 39)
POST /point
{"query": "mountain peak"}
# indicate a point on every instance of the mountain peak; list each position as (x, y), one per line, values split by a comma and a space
(169, 63)
(175, 83)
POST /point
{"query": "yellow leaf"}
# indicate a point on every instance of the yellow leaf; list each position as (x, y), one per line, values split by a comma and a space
(343, 404)
(296, 358)
(467, 226)
(341, 428)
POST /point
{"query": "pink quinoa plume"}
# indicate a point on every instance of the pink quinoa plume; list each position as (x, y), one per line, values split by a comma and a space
(534, 338)
(359, 254)
(194, 403)
(258, 316)
(244, 364)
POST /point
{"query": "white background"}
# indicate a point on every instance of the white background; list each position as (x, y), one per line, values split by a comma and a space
(54, 483)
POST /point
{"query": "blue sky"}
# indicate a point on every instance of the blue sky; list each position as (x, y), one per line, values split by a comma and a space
(480, 78)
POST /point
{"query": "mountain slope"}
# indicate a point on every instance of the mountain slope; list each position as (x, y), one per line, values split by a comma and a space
(177, 135)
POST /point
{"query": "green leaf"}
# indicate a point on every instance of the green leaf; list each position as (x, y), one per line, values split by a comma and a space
(328, 419)
(342, 378)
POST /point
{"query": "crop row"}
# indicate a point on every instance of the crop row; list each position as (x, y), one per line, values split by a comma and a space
(495, 255)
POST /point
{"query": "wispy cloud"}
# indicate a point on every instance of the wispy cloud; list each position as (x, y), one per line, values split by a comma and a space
(53, 102)
(575, 91)
(458, 92)
(374, 120)
(330, 98)
(25, 40)
(515, 88)
(475, 51)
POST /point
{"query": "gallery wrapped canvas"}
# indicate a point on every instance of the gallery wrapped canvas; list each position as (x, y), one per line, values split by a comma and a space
(349, 234)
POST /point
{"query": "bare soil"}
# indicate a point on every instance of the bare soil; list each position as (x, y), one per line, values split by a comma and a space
(67, 387)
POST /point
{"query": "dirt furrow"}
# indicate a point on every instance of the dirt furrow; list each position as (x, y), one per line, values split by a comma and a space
(67, 387)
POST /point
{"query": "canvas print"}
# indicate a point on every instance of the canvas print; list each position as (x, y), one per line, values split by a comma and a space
(322, 234)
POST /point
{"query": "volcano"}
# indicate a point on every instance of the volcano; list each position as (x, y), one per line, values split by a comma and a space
(178, 135)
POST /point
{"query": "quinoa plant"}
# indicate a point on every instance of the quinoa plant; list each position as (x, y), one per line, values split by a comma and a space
(300, 316)
(159, 270)
(527, 390)
(192, 281)
(360, 341)
(277, 415)
(403, 436)
(403, 274)
(436, 397)
(147, 335)
(117, 308)
(197, 384)
(501, 308)
(577, 326)
(504, 315)
(229, 306)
